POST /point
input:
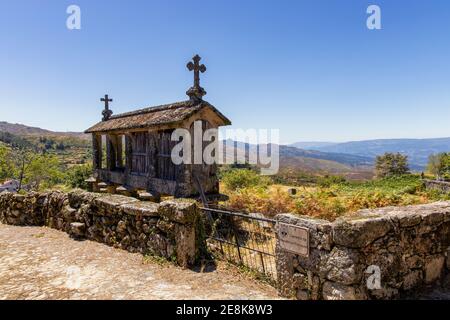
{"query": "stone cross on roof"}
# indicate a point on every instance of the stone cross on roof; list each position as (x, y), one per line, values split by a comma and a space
(107, 113)
(196, 92)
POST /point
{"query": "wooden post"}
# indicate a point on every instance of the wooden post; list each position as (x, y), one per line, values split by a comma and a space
(110, 152)
(96, 151)
(128, 155)
(119, 155)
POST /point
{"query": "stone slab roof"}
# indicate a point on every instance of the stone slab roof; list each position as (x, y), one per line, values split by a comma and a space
(155, 116)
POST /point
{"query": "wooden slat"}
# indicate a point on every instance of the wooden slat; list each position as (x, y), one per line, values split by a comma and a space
(139, 154)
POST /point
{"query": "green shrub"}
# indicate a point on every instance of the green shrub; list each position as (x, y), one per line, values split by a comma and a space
(243, 178)
(77, 175)
(328, 181)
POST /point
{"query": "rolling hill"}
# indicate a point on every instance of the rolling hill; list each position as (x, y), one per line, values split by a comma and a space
(71, 148)
(311, 145)
(22, 130)
(313, 162)
(77, 149)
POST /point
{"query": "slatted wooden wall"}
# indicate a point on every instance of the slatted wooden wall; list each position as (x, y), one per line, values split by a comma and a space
(139, 142)
(165, 168)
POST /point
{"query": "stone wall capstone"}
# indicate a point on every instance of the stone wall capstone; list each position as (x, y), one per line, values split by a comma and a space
(169, 229)
(410, 246)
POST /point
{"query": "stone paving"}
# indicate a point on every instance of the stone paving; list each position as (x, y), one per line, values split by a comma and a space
(42, 263)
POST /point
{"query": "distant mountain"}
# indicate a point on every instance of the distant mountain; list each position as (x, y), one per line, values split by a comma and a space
(314, 162)
(71, 148)
(417, 150)
(311, 145)
(23, 130)
(343, 158)
(307, 161)
(293, 152)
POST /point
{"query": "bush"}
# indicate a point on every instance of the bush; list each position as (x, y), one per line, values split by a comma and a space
(262, 200)
(243, 178)
(328, 181)
(77, 175)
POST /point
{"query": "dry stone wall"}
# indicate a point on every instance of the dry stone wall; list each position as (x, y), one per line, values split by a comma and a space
(408, 247)
(442, 186)
(170, 229)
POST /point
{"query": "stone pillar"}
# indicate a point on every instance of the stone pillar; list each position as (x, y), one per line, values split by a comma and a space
(299, 275)
(123, 191)
(91, 182)
(111, 188)
(183, 217)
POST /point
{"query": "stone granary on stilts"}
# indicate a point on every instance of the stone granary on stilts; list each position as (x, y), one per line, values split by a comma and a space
(138, 147)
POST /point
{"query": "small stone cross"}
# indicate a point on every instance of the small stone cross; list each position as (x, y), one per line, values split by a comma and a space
(196, 92)
(107, 113)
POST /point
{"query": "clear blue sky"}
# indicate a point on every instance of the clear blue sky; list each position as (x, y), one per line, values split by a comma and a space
(310, 68)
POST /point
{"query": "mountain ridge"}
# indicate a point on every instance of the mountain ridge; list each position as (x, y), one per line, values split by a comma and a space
(417, 150)
(310, 161)
(19, 129)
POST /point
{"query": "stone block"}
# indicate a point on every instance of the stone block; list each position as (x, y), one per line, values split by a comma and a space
(300, 281)
(448, 258)
(181, 211)
(77, 230)
(337, 291)
(412, 280)
(433, 268)
(185, 245)
(360, 232)
(385, 293)
(414, 262)
(343, 266)
(303, 295)
(110, 204)
(145, 209)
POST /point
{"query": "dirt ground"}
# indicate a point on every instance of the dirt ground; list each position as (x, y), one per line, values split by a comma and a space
(42, 263)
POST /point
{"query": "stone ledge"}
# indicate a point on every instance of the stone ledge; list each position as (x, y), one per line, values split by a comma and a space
(410, 246)
(168, 229)
(146, 209)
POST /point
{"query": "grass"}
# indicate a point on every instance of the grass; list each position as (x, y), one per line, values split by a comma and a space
(161, 261)
(331, 198)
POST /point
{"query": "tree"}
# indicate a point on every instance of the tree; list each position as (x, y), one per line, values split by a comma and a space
(6, 163)
(23, 158)
(77, 175)
(435, 165)
(439, 165)
(37, 170)
(43, 171)
(391, 164)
